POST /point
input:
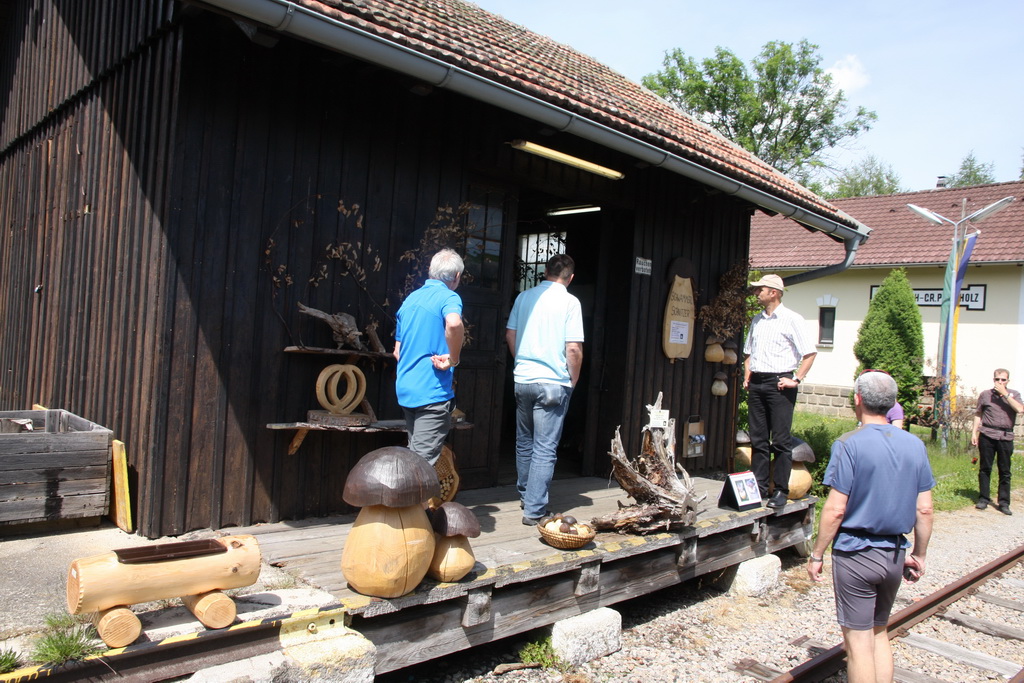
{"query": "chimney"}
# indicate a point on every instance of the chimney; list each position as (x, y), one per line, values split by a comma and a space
(940, 182)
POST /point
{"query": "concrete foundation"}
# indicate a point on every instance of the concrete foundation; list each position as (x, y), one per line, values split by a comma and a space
(588, 636)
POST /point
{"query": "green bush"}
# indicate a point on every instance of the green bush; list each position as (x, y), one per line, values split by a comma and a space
(891, 338)
(541, 652)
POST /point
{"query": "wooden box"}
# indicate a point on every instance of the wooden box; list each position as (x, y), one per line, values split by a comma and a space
(58, 469)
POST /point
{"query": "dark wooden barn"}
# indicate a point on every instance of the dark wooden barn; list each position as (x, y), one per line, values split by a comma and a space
(175, 177)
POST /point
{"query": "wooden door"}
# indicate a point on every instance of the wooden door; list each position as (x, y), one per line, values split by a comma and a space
(486, 297)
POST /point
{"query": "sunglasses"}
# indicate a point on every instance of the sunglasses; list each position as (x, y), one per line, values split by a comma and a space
(1000, 379)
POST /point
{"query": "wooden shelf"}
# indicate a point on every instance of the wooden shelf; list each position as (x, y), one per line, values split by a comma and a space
(303, 428)
(319, 351)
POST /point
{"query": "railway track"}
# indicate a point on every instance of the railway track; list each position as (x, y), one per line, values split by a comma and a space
(914, 627)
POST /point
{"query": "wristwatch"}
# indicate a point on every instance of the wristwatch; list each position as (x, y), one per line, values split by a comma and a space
(812, 558)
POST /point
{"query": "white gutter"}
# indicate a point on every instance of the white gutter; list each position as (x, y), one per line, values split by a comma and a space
(287, 17)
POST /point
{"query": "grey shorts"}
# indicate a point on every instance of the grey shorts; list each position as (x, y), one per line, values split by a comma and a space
(866, 582)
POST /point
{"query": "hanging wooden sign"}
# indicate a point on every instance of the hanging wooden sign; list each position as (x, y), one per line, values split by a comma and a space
(680, 313)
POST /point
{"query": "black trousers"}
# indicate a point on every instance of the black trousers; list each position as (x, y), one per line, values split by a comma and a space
(988, 450)
(770, 414)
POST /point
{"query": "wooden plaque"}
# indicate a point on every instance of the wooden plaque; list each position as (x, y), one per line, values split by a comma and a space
(680, 314)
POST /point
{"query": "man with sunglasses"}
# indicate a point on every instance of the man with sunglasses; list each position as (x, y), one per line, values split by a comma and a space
(993, 435)
(779, 354)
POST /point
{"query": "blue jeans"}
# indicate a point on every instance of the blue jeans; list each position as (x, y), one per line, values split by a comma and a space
(540, 414)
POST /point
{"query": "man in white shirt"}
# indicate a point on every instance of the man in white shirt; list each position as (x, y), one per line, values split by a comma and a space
(545, 335)
(779, 354)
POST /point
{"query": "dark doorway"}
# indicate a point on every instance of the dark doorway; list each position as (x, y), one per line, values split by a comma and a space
(539, 234)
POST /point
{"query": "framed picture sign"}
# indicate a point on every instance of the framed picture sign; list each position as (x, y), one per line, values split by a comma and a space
(740, 492)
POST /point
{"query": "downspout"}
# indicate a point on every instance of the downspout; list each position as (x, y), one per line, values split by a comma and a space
(851, 252)
(287, 17)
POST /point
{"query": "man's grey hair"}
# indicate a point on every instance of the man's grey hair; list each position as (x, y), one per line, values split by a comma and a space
(445, 266)
(877, 392)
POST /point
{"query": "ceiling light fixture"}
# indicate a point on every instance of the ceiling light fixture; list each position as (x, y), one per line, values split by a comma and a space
(569, 210)
(567, 159)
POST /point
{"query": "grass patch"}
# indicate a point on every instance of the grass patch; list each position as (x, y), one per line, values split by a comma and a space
(541, 652)
(9, 661)
(954, 467)
(67, 637)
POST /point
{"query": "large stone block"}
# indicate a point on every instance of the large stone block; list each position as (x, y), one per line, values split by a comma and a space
(582, 638)
(756, 576)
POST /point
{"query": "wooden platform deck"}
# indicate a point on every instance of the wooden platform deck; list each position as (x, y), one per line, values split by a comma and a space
(521, 583)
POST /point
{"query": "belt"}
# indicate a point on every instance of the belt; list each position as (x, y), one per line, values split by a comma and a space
(761, 377)
(998, 429)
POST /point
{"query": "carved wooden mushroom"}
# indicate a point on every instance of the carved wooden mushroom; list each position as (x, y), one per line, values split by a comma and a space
(713, 351)
(389, 548)
(719, 387)
(454, 524)
(730, 357)
(741, 458)
(800, 479)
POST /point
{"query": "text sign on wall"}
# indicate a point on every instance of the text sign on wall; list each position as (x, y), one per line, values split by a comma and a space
(642, 266)
(972, 298)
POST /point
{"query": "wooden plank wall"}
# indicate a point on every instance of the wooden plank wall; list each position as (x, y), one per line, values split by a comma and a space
(679, 219)
(82, 175)
(174, 205)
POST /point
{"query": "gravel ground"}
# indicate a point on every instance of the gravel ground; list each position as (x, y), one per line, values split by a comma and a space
(695, 632)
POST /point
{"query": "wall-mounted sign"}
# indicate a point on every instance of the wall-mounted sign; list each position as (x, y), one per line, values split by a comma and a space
(680, 313)
(643, 266)
(972, 298)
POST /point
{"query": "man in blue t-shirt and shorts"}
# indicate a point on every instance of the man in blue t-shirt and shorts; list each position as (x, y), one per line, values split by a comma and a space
(881, 489)
(428, 346)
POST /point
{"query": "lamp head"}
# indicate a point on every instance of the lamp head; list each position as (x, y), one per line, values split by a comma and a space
(928, 215)
(981, 214)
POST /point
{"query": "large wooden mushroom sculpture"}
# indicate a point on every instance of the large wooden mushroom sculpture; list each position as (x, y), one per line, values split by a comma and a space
(389, 548)
(454, 525)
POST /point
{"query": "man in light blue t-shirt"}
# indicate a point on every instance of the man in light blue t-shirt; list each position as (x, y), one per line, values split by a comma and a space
(428, 346)
(545, 335)
(881, 489)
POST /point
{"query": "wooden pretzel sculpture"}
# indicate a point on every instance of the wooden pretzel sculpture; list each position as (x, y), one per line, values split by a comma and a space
(327, 388)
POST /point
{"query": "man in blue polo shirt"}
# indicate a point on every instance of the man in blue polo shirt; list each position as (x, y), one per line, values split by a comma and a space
(428, 346)
(881, 489)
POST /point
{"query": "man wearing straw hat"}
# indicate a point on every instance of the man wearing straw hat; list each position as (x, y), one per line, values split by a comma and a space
(779, 354)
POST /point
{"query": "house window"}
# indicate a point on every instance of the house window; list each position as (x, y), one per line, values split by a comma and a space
(485, 221)
(534, 252)
(826, 324)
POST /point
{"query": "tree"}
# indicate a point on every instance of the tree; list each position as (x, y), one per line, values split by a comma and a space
(784, 110)
(868, 178)
(891, 338)
(972, 172)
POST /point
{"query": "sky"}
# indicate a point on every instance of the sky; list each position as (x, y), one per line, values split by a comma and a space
(943, 76)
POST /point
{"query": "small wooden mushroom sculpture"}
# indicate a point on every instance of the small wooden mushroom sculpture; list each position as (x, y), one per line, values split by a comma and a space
(713, 351)
(730, 357)
(741, 457)
(800, 479)
(389, 548)
(719, 387)
(454, 525)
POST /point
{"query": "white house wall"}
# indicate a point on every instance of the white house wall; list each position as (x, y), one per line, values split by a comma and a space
(986, 339)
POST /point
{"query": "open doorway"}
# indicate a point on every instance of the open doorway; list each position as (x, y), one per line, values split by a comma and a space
(541, 231)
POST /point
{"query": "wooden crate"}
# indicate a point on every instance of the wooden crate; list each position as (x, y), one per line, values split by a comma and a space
(60, 469)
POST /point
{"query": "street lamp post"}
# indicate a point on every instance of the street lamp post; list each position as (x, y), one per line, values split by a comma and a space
(948, 313)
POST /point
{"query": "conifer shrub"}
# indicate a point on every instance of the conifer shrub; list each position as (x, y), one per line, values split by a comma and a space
(891, 338)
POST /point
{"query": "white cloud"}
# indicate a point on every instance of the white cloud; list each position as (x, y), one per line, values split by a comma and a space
(849, 74)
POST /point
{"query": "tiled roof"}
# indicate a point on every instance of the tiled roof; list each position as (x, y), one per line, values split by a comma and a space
(464, 35)
(899, 236)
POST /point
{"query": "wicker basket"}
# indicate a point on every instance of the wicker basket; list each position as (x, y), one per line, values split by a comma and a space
(447, 474)
(566, 541)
